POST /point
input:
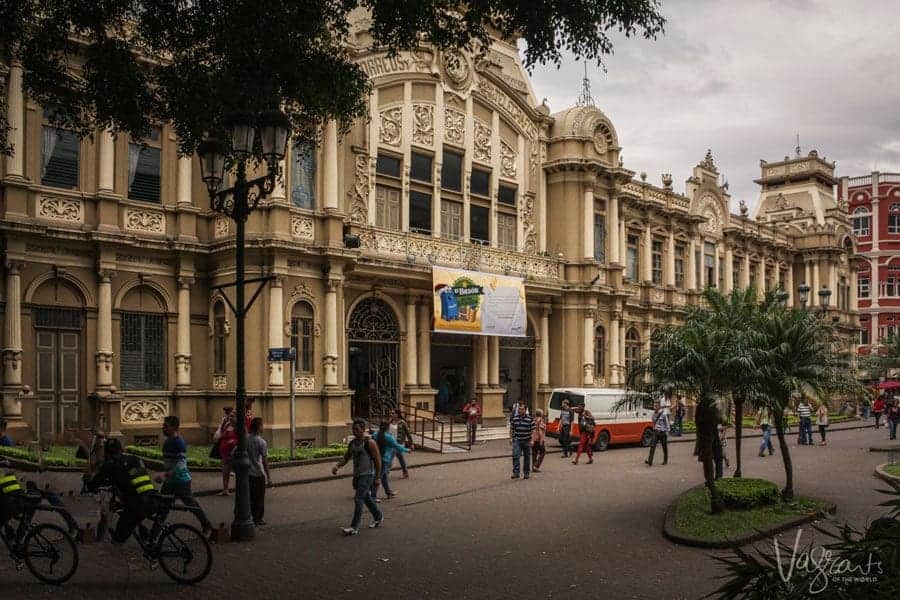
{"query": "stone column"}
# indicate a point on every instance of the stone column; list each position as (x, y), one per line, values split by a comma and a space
(729, 269)
(276, 330)
(107, 174)
(411, 357)
(12, 338)
(614, 349)
(814, 286)
(716, 266)
(761, 279)
(104, 355)
(424, 347)
(691, 266)
(544, 374)
(670, 259)
(493, 360)
(789, 283)
(481, 360)
(15, 115)
(588, 217)
(745, 272)
(623, 243)
(875, 286)
(854, 301)
(647, 256)
(183, 328)
(587, 353)
(330, 168)
(876, 235)
(330, 359)
(612, 228)
(183, 183)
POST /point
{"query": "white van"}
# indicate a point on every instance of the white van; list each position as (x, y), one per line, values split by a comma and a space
(618, 422)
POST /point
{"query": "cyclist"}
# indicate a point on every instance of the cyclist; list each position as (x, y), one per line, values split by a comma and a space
(10, 494)
(133, 486)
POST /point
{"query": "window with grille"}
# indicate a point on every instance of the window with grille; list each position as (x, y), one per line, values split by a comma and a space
(862, 222)
(59, 154)
(419, 212)
(387, 207)
(631, 258)
(303, 176)
(506, 231)
(302, 337)
(143, 351)
(451, 220)
(144, 169)
(599, 237)
(479, 224)
(451, 171)
(632, 350)
(679, 265)
(894, 219)
(709, 264)
(220, 364)
(657, 260)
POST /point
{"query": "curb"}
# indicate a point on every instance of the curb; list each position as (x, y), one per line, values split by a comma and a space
(885, 448)
(745, 435)
(672, 534)
(882, 474)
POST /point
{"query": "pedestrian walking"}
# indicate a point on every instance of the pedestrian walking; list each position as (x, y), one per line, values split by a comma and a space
(400, 430)
(893, 418)
(680, 413)
(363, 451)
(762, 421)
(660, 434)
(586, 427)
(538, 449)
(822, 421)
(804, 413)
(865, 408)
(472, 413)
(227, 442)
(521, 426)
(176, 477)
(566, 418)
(260, 477)
(878, 410)
(387, 446)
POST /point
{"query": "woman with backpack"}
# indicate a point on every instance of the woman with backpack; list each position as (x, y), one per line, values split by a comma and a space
(586, 426)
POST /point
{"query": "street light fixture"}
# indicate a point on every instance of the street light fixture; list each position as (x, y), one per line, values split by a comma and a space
(804, 294)
(824, 298)
(782, 298)
(237, 203)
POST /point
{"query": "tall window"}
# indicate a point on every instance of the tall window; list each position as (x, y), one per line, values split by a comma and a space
(736, 267)
(862, 285)
(889, 287)
(451, 171)
(419, 212)
(721, 273)
(303, 176)
(709, 264)
(600, 351)
(143, 351)
(451, 219)
(600, 237)
(302, 336)
(480, 183)
(632, 350)
(59, 154)
(506, 231)
(864, 335)
(894, 218)
(679, 265)
(862, 222)
(144, 168)
(420, 167)
(219, 348)
(657, 260)
(631, 258)
(387, 207)
(479, 224)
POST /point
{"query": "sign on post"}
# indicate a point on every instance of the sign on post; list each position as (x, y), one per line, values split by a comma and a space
(287, 355)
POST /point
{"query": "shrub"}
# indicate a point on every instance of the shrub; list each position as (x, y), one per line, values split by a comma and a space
(743, 494)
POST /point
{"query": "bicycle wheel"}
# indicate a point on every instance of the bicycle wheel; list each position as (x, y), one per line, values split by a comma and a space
(184, 554)
(50, 553)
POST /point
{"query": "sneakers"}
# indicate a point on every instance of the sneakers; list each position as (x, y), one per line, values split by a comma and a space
(527, 476)
(376, 524)
(761, 455)
(391, 495)
(350, 531)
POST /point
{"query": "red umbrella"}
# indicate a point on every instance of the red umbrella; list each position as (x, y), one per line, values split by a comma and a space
(888, 385)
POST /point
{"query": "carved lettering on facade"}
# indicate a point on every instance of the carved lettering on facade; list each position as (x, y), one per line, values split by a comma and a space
(60, 250)
(404, 62)
(391, 129)
(454, 126)
(144, 411)
(303, 227)
(144, 221)
(144, 259)
(423, 124)
(60, 209)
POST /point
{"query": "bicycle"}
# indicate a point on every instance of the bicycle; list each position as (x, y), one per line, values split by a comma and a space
(175, 547)
(49, 551)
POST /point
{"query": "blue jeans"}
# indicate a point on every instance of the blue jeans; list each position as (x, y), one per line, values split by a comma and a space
(385, 472)
(521, 447)
(182, 491)
(893, 425)
(363, 486)
(767, 439)
(679, 424)
(805, 431)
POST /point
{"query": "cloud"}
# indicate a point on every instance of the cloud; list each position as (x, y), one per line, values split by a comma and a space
(743, 79)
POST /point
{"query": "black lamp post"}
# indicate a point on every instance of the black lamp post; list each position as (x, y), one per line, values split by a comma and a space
(803, 290)
(237, 203)
(824, 298)
(783, 297)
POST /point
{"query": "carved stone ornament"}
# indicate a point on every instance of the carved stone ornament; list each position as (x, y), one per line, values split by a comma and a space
(60, 209)
(145, 221)
(529, 233)
(304, 383)
(222, 226)
(303, 227)
(708, 162)
(219, 382)
(482, 142)
(391, 128)
(457, 68)
(507, 161)
(423, 124)
(144, 411)
(302, 290)
(359, 195)
(454, 126)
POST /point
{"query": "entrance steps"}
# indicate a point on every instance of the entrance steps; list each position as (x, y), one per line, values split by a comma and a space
(459, 436)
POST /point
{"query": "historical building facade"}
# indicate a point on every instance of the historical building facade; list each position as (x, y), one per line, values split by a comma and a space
(111, 254)
(873, 204)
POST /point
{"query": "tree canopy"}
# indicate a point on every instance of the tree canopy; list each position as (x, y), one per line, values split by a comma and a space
(127, 64)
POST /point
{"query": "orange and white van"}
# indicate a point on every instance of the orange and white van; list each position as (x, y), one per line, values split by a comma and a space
(615, 424)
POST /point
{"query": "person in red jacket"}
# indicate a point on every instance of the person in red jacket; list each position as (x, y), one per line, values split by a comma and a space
(472, 412)
(877, 410)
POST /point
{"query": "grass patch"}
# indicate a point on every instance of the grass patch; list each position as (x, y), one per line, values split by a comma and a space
(198, 456)
(893, 470)
(692, 517)
(56, 456)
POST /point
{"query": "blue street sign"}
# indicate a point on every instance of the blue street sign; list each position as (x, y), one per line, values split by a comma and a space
(281, 354)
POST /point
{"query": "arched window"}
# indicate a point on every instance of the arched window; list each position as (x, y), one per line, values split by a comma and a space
(303, 176)
(302, 336)
(600, 351)
(220, 364)
(894, 218)
(632, 349)
(862, 222)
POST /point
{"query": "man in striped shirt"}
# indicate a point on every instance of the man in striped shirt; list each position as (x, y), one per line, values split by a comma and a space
(520, 427)
(804, 413)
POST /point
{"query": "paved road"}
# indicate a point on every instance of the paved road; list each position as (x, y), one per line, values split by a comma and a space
(466, 530)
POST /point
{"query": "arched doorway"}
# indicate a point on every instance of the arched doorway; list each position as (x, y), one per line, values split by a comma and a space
(373, 337)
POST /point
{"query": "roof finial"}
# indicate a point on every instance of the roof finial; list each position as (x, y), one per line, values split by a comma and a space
(797, 149)
(585, 98)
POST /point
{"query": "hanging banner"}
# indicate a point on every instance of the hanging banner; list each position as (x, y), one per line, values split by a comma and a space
(479, 303)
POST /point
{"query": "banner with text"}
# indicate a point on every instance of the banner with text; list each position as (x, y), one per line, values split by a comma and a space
(479, 303)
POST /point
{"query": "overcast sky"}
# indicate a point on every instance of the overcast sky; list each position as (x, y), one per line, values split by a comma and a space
(742, 78)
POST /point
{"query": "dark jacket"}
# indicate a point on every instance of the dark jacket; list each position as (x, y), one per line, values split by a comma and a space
(119, 472)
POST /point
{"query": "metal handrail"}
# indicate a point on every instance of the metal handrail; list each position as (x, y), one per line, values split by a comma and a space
(420, 425)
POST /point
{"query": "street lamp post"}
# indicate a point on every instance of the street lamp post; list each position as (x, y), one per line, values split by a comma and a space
(824, 299)
(237, 203)
(803, 290)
